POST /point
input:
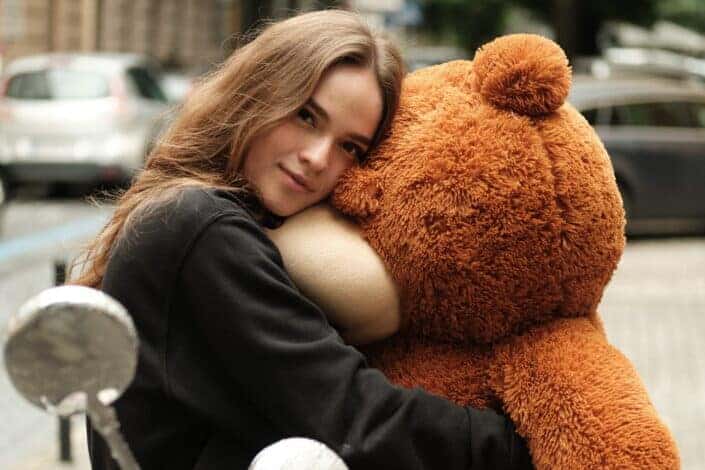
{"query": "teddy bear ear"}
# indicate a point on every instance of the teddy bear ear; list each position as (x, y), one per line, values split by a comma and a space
(358, 193)
(524, 73)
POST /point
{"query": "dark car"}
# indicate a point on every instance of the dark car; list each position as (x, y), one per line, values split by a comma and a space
(3, 187)
(654, 132)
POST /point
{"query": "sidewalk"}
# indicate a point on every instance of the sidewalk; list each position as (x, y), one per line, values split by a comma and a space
(654, 312)
(46, 456)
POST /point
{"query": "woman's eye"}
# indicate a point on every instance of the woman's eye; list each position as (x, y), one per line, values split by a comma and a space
(306, 116)
(354, 150)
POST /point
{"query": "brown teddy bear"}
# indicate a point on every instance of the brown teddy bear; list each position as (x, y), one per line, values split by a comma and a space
(494, 223)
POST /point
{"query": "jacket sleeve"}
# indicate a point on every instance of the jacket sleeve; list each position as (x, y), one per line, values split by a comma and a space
(279, 351)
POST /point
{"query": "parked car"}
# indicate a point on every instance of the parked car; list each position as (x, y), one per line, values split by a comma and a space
(78, 118)
(654, 132)
(177, 86)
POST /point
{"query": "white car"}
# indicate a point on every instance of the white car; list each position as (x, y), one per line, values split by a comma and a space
(78, 118)
(177, 86)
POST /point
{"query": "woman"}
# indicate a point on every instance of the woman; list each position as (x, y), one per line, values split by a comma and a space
(232, 356)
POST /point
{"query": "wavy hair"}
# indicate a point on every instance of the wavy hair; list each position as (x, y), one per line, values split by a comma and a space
(261, 83)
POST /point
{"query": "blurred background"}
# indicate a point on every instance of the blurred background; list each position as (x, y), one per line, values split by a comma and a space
(86, 86)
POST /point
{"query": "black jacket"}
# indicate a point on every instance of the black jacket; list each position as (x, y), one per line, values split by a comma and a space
(233, 358)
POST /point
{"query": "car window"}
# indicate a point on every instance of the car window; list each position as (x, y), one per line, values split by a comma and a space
(699, 112)
(660, 114)
(146, 84)
(590, 116)
(58, 84)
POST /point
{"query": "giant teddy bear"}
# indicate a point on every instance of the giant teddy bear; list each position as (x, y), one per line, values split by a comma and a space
(490, 221)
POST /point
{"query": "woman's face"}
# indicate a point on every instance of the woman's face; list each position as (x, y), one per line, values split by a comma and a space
(296, 163)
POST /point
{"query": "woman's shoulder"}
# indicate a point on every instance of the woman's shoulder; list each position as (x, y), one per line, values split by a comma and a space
(196, 224)
(195, 203)
(190, 207)
(178, 219)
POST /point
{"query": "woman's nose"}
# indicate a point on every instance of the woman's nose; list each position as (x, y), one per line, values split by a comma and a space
(317, 153)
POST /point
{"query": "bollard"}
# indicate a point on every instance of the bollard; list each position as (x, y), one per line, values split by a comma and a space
(297, 453)
(101, 341)
(65, 454)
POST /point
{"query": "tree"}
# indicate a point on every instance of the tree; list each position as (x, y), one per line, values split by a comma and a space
(688, 13)
(576, 22)
(467, 23)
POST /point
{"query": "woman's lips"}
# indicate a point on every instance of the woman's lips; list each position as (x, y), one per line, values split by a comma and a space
(297, 181)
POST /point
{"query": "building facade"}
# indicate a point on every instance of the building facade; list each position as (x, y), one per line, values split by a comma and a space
(189, 34)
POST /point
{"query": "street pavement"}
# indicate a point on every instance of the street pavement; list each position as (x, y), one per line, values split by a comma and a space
(653, 311)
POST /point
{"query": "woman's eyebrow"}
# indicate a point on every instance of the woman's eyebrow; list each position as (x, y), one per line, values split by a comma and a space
(318, 109)
(366, 141)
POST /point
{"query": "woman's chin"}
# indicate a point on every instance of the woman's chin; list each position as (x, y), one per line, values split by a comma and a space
(280, 206)
(286, 207)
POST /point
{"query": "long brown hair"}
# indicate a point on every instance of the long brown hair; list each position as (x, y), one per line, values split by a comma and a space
(260, 84)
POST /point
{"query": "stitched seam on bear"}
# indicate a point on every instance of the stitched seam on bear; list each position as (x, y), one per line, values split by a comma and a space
(560, 206)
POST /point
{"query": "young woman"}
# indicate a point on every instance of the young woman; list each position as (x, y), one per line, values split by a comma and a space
(232, 356)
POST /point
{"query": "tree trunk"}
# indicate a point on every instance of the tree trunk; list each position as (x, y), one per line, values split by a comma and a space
(576, 26)
(254, 11)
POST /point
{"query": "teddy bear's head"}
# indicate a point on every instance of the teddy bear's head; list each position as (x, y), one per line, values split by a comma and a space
(492, 202)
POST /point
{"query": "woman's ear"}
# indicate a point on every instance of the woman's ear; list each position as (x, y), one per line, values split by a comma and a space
(358, 193)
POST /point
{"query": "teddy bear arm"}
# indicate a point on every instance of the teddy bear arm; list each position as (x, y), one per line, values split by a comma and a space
(579, 402)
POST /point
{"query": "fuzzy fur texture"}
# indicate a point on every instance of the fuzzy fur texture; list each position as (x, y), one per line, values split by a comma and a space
(493, 205)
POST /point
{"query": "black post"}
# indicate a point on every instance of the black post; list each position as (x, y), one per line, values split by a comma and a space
(65, 454)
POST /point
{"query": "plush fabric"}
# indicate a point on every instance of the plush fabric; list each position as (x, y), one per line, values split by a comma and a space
(330, 261)
(494, 208)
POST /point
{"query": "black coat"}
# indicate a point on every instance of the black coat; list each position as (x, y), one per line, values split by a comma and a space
(233, 358)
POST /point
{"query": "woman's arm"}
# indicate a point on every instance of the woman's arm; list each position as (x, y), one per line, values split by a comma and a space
(276, 348)
(333, 265)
